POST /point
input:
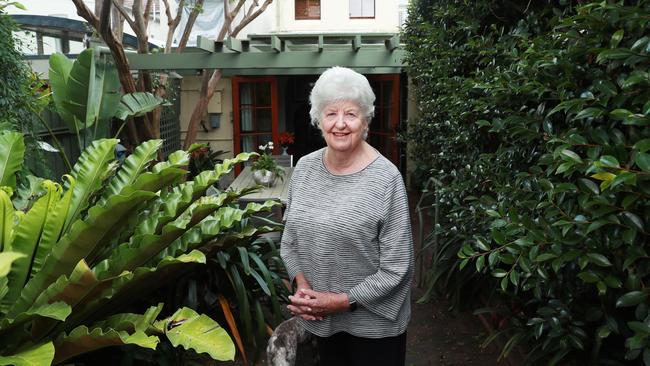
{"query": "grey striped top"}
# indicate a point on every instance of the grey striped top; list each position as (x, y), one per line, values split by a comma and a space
(352, 233)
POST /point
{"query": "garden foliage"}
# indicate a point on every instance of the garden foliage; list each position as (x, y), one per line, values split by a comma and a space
(108, 235)
(533, 141)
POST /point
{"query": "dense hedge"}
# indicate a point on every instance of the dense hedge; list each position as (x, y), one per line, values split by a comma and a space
(14, 78)
(533, 135)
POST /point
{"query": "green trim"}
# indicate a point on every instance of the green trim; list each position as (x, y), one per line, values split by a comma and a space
(363, 58)
(276, 44)
(393, 42)
(205, 44)
(234, 44)
(306, 71)
(356, 43)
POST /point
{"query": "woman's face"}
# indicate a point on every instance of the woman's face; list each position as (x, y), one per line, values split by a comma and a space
(343, 126)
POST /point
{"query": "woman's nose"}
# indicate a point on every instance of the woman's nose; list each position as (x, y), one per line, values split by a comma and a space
(340, 121)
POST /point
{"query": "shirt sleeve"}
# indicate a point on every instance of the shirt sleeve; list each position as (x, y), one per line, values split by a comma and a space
(287, 243)
(385, 291)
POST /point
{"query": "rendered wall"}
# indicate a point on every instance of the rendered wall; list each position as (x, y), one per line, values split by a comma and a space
(219, 138)
(280, 18)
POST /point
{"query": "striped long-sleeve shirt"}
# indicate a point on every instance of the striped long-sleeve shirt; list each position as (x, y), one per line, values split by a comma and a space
(351, 233)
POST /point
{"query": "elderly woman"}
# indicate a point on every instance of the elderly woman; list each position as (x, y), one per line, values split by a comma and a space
(347, 243)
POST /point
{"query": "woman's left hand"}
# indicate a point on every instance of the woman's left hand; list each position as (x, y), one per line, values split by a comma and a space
(320, 303)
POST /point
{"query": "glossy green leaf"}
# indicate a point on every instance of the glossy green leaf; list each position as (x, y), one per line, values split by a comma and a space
(570, 155)
(6, 221)
(609, 161)
(53, 227)
(92, 90)
(39, 355)
(133, 167)
(26, 241)
(59, 74)
(12, 150)
(635, 219)
(199, 333)
(77, 243)
(599, 259)
(643, 161)
(138, 104)
(616, 38)
(642, 145)
(89, 173)
(632, 298)
(6, 259)
(83, 339)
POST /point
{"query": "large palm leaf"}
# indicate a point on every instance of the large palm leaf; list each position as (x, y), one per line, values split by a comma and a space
(12, 150)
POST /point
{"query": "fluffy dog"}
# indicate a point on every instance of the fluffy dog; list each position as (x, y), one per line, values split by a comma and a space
(283, 344)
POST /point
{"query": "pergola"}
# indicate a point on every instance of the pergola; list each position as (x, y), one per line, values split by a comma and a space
(283, 54)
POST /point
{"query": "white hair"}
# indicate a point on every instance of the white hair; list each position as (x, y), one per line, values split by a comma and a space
(341, 84)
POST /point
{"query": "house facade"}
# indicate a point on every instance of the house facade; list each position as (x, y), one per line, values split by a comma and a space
(293, 42)
(269, 69)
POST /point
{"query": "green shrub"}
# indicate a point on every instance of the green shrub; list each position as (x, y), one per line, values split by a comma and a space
(534, 121)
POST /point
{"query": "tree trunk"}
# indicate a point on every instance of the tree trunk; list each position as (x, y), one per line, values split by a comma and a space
(208, 86)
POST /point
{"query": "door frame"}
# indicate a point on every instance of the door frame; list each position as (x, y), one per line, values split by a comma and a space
(236, 81)
(394, 114)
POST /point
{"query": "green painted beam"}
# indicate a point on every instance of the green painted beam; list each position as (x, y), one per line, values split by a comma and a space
(356, 43)
(260, 60)
(306, 71)
(205, 44)
(392, 43)
(234, 44)
(276, 44)
(320, 43)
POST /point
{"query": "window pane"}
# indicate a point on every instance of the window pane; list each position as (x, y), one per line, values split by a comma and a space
(355, 8)
(26, 42)
(263, 119)
(263, 95)
(314, 9)
(51, 45)
(307, 9)
(76, 47)
(368, 8)
(245, 94)
(246, 122)
(248, 144)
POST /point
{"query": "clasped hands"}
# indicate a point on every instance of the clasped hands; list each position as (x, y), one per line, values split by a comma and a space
(314, 305)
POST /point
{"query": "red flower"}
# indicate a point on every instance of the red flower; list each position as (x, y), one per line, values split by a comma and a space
(286, 138)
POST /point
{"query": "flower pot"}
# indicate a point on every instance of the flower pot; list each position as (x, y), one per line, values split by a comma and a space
(264, 177)
(284, 150)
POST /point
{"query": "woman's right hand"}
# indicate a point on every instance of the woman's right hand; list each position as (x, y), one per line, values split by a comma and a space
(302, 311)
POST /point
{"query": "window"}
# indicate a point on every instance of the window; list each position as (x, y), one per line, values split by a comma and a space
(307, 9)
(360, 9)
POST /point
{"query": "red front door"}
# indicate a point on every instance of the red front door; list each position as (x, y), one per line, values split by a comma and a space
(255, 102)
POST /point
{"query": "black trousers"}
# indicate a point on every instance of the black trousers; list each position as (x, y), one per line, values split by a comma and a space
(343, 349)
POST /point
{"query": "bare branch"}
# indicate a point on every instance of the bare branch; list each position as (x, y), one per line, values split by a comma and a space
(84, 12)
(190, 23)
(118, 21)
(125, 14)
(254, 5)
(105, 17)
(141, 27)
(237, 8)
(244, 22)
(147, 11)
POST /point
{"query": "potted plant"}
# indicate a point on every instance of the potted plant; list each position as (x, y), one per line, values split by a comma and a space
(286, 139)
(265, 169)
